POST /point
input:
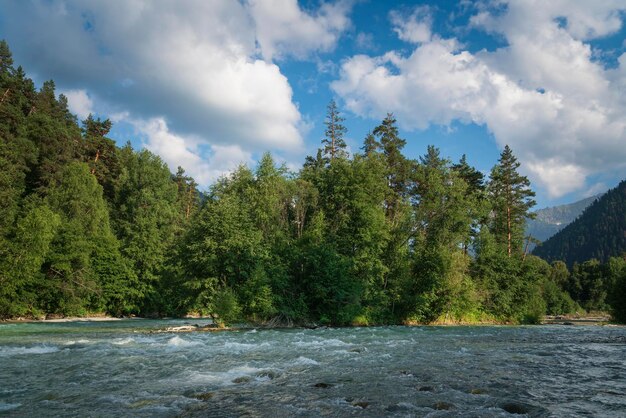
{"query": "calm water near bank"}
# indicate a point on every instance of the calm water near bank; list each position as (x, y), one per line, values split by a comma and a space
(119, 368)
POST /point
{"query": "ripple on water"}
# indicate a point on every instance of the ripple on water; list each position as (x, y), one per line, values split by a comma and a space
(37, 349)
(177, 341)
(8, 406)
(235, 376)
(331, 342)
(236, 347)
(333, 372)
(304, 361)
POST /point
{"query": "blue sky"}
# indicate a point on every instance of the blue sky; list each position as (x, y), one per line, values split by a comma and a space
(211, 84)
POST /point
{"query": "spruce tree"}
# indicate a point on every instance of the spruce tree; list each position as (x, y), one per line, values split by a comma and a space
(511, 199)
(370, 145)
(398, 166)
(334, 144)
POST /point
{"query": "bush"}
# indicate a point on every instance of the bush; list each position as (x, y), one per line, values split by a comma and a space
(226, 309)
(618, 298)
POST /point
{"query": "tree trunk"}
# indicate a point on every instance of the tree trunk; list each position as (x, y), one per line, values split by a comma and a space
(332, 142)
(526, 248)
(188, 210)
(95, 160)
(508, 224)
(6, 93)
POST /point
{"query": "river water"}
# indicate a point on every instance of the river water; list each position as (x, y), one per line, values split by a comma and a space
(120, 368)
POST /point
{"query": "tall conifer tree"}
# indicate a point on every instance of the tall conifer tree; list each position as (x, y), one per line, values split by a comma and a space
(511, 199)
(334, 144)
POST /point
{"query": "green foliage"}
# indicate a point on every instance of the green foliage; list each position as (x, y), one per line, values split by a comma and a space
(596, 234)
(617, 298)
(558, 302)
(144, 213)
(334, 144)
(511, 200)
(330, 292)
(77, 199)
(226, 309)
(22, 259)
(86, 226)
(588, 286)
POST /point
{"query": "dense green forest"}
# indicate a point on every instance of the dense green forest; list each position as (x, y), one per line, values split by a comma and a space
(369, 238)
(599, 232)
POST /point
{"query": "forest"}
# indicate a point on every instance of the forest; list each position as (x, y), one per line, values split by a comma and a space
(598, 233)
(368, 238)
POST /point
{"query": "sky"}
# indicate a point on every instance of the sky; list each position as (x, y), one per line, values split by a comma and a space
(210, 84)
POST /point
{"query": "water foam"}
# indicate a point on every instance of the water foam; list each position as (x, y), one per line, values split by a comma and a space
(8, 406)
(38, 349)
(230, 377)
(239, 347)
(123, 341)
(304, 361)
(75, 342)
(331, 342)
(176, 341)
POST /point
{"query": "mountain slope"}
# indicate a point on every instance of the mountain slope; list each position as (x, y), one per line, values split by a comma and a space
(600, 232)
(551, 220)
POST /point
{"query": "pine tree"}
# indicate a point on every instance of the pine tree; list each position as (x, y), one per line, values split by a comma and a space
(334, 144)
(370, 145)
(398, 166)
(475, 179)
(188, 196)
(511, 199)
(100, 153)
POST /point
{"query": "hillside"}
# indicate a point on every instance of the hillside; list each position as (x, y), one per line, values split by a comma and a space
(600, 232)
(551, 220)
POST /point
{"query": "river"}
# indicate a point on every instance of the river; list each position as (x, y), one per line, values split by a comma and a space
(120, 368)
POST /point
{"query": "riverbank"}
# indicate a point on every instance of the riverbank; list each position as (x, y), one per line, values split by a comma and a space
(594, 319)
(599, 319)
(90, 318)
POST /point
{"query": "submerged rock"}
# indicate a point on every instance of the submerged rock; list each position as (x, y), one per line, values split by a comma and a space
(443, 406)
(515, 408)
(360, 404)
(267, 374)
(478, 391)
(323, 385)
(426, 389)
(241, 379)
(203, 396)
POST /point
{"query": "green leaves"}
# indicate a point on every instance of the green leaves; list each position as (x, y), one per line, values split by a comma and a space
(368, 239)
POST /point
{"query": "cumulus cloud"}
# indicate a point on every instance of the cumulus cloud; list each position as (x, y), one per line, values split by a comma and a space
(414, 28)
(204, 66)
(283, 28)
(177, 150)
(79, 103)
(542, 94)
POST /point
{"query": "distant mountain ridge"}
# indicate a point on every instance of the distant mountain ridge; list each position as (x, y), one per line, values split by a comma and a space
(599, 232)
(551, 220)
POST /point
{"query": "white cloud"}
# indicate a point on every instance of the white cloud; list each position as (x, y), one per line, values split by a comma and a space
(414, 28)
(596, 189)
(79, 103)
(186, 152)
(196, 63)
(283, 28)
(365, 40)
(561, 112)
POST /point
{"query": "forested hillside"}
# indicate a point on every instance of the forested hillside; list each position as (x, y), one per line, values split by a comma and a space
(549, 221)
(369, 238)
(599, 233)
